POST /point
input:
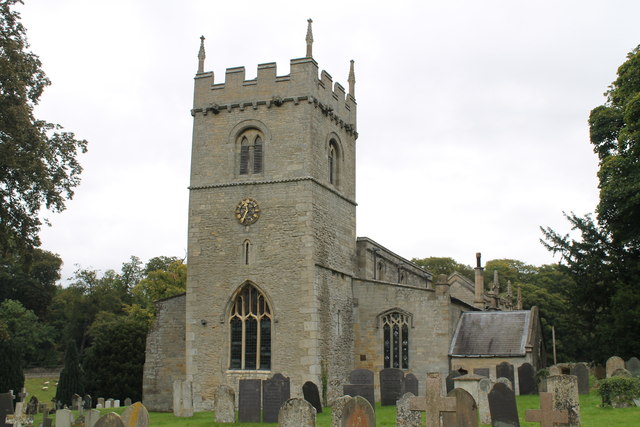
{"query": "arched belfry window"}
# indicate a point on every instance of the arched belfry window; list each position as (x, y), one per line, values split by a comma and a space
(395, 345)
(250, 322)
(251, 157)
(333, 157)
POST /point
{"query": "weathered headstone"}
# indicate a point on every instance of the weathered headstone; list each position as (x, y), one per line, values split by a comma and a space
(527, 379)
(312, 395)
(502, 405)
(182, 398)
(505, 370)
(633, 366)
(600, 372)
(484, 387)
(337, 407)
(32, 406)
(87, 402)
(405, 417)
(564, 389)
(249, 401)
(48, 422)
(64, 418)
(468, 382)
(275, 391)
(449, 380)
(466, 414)
(135, 415)
(614, 363)
(108, 403)
(110, 420)
(296, 413)
(100, 402)
(411, 384)
(358, 413)
(6, 407)
(555, 370)
(434, 404)
(505, 381)
(391, 386)
(127, 401)
(581, 371)
(116, 403)
(621, 372)
(360, 384)
(485, 372)
(224, 404)
(546, 416)
(76, 402)
(99, 406)
(91, 417)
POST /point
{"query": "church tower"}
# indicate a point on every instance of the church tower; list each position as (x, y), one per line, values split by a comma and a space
(271, 239)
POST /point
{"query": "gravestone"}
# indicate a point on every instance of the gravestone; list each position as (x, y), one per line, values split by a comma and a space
(224, 404)
(87, 402)
(502, 405)
(32, 406)
(621, 372)
(564, 389)
(505, 381)
(485, 372)
(249, 401)
(411, 384)
(468, 382)
(581, 371)
(297, 413)
(555, 370)
(127, 401)
(76, 402)
(312, 395)
(116, 403)
(64, 418)
(546, 416)
(358, 413)
(527, 379)
(48, 422)
(484, 387)
(91, 417)
(337, 408)
(99, 406)
(275, 391)
(360, 384)
(135, 415)
(434, 404)
(633, 366)
(108, 403)
(101, 401)
(110, 420)
(405, 417)
(505, 370)
(449, 380)
(391, 386)
(600, 372)
(466, 413)
(182, 398)
(614, 363)
(6, 407)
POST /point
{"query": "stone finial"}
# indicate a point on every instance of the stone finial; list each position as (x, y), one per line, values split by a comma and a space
(519, 300)
(478, 260)
(509, 296)
(352, 80)
(309, 39)
(478, 300)
(201, 56)
(496, 282)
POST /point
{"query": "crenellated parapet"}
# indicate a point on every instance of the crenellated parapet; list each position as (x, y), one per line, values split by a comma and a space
(268, 90)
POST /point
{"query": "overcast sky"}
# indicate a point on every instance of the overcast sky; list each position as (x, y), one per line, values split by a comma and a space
(472, 115)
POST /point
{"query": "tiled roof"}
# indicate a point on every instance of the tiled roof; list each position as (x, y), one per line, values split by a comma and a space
(491, 333)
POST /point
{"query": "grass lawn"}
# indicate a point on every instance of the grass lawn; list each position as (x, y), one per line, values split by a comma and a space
(591, 414)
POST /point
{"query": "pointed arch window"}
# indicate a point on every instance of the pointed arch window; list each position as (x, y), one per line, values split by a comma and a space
(333, 163)
(395, 327)
(251, 158)
(250, 327)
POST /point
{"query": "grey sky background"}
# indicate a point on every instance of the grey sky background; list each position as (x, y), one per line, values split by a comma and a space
(472, 116)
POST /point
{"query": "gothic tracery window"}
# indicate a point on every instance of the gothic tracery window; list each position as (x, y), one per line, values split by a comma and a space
(251, 159)
(333, 162)
(250, 325)
(395, 326)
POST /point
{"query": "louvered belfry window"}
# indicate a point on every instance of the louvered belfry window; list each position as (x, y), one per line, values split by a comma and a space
(396, 340)
(251, 153)
(250, 325)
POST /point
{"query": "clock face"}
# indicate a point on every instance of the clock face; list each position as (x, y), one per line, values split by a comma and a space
(247, 211)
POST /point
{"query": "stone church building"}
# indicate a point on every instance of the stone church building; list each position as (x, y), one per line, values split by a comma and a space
(277, 280)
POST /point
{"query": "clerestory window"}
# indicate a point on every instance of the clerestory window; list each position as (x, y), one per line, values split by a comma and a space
(395, 327)
(250, 328)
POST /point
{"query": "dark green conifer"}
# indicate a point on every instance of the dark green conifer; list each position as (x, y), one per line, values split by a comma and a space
(71, 378)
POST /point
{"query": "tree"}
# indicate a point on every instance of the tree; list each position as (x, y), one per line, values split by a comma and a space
(71, 377)
(32, 338)
(11, 374)
(162, 283)
(38, 162)
(444, 265)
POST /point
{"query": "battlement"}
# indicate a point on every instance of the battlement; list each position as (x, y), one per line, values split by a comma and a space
(302, 83)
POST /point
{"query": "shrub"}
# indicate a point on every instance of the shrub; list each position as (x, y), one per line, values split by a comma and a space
(619, 391)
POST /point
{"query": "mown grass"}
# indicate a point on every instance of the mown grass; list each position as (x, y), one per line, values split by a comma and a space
(591, 414)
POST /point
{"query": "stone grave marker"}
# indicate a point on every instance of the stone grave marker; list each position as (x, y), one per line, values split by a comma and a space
(19, 417)
(275, 391)
(468, 382)
(296, 412)
(505, 370)
(99, 406)
(527, 379)
(64, 418)
(564, 389)
(466, 413)
(546, 416)
(502, 405)
(6, 407)
(411, 384)
(358, 413)
(337, 408)
(434, 404)
(101, 401)
(182, 398)
(449, 380)
(110, 420)
(600, 372)
(405, 417)
(76, 402)
(32, 406)
(249, 401)
(555, 370)
(127, 401)
(108, 403)
(224, 404)
(360, 384)
(116, 403)
(312, 395)
(614, 363)
(135, 415)
(87, 402)
(391, 386)
(484, 372)
(505, 381)
(581, 371)
(621, 372)
(633, 366)
(484, 387)
(91, 417)
(48, 422)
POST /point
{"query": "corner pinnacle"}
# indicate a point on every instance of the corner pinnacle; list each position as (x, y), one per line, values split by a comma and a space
(352, 81)
(201, 56)
(309, 39)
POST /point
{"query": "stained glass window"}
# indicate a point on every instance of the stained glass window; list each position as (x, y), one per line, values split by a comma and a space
(250, 328)
(395, 347)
